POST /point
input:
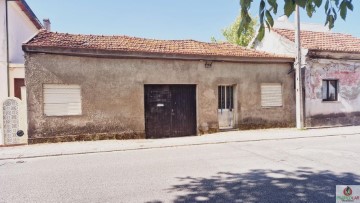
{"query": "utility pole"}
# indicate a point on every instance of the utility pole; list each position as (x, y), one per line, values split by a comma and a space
(298, 73)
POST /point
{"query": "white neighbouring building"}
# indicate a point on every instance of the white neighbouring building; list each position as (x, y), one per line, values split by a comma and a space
(18, 23)
(331, 71)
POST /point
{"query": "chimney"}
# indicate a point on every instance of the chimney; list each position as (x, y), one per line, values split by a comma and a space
(47, 24)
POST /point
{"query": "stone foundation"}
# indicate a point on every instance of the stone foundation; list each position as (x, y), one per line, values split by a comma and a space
(87, 137)
(258, 123)
(340, 119)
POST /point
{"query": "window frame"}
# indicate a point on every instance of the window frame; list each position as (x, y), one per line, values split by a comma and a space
(328, 90)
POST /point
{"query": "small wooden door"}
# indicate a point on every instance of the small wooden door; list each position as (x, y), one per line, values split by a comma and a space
(226, 106)
(170, 110)
(18, 83)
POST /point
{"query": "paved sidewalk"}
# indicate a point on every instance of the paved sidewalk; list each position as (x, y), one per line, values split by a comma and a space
(58, 149)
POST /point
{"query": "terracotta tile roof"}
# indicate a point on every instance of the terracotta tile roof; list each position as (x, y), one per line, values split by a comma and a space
(324, 41)
(140, 45)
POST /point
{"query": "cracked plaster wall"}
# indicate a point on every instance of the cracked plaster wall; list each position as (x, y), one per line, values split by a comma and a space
(347, 72)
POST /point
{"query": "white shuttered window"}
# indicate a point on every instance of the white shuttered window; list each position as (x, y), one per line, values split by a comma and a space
(271, 95)
(62, 100)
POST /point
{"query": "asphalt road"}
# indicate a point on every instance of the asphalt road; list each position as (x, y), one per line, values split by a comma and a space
(300, 170)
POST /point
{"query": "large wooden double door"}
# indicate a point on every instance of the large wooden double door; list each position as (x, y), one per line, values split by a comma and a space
(170, 110)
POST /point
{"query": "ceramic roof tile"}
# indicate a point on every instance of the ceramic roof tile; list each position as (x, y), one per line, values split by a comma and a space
(142, 45)
(324, 41)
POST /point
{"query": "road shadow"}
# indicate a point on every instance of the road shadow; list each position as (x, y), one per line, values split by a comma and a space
(302, 185)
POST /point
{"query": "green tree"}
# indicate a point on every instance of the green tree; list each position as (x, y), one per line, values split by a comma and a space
(268, 8)
(232, 36)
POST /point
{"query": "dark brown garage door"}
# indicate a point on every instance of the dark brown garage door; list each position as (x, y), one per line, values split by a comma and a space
(170, 110)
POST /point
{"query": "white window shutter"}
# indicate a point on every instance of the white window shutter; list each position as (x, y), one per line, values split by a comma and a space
(62, 100)
(271, 95)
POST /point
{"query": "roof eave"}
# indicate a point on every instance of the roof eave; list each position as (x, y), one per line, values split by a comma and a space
(334, 54)
(149, 55)
(29, 13)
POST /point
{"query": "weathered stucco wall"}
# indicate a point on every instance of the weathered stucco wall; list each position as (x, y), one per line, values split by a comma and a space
(345, 111)
(113, 93)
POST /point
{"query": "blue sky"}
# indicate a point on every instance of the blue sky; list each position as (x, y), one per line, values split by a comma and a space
(160, 19)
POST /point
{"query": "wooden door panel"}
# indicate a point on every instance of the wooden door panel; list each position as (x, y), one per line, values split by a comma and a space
(158, 111)
(184, 110)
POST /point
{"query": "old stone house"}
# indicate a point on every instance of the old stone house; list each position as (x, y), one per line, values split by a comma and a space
(331, 71)
(83, 87)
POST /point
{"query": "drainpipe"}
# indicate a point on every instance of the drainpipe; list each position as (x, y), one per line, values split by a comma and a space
(7, 47)
(7, 44)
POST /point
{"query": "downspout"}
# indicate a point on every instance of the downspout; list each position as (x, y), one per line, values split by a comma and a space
(7, 48)
(7, 45)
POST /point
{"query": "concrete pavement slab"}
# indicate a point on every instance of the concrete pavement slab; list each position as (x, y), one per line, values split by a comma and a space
(85, 147)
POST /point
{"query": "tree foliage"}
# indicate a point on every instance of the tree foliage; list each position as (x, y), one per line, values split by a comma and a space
(231, 33)
(268, 8)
